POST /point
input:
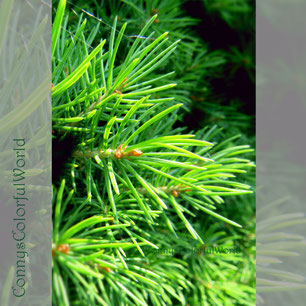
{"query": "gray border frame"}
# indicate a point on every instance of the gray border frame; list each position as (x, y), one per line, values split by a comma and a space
(281, 142)
(25, 154)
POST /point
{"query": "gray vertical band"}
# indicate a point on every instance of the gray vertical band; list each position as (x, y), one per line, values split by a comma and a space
(25, 152)
(281, 152)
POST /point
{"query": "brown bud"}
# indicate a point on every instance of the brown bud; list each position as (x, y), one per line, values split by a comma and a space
(107, 269)
(174, 193)
(121, 148)
(63, 248)
(118, 154)
(135, 152)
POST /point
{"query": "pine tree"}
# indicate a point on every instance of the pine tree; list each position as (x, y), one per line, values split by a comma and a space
(142, 206)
